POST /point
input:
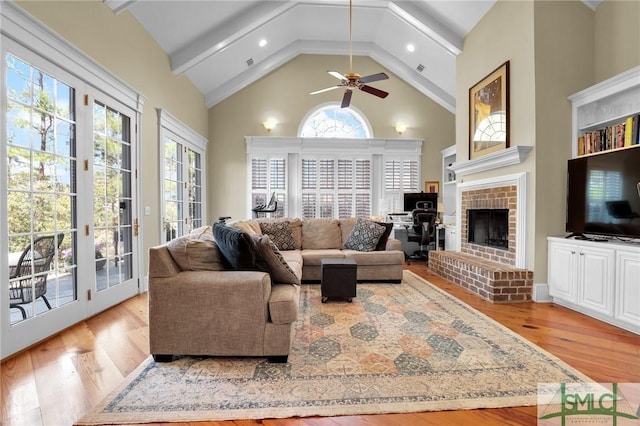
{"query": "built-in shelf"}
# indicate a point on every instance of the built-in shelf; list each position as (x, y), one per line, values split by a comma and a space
(507, 157)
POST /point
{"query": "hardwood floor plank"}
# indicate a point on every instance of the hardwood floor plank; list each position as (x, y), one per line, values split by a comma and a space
(89, 359)
(18, 386)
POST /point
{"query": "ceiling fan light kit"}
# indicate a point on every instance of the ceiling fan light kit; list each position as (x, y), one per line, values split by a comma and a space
(352, 80)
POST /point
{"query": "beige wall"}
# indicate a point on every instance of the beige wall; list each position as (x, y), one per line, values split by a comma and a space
(121, 45)
(617, 37)
(284, 94)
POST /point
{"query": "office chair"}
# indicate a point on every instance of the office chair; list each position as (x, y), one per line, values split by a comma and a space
(422, 231)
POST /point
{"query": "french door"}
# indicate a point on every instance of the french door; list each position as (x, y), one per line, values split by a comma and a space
(69, 177)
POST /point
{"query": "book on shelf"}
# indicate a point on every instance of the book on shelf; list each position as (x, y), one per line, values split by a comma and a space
(619, 135)
(628, 128)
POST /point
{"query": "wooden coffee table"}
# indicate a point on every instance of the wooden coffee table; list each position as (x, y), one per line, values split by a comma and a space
(338, 279)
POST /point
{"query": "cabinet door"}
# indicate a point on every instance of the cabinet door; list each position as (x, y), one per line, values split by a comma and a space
(450, 238)
(562, 271)
(628, 288)
(596, 278)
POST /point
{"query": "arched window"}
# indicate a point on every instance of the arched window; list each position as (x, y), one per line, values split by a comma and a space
(331, 121)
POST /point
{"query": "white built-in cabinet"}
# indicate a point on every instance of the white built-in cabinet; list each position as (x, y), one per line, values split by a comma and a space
(599, 279)
(448, 190)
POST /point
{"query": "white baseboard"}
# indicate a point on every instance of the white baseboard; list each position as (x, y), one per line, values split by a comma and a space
(541, 293)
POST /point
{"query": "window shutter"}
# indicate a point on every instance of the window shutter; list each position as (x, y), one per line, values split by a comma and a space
(392, 180)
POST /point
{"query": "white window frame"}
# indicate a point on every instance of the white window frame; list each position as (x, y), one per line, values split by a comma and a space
(170, 126)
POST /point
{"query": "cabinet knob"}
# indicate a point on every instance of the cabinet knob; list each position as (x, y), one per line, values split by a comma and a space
(573, 252)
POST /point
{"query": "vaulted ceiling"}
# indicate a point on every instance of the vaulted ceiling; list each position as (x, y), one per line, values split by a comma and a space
(217, 43)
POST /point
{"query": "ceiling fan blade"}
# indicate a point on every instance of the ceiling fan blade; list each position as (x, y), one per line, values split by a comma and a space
(372, 90)
(346, 99)
(337, 75)
(374, 77)
(325, 89)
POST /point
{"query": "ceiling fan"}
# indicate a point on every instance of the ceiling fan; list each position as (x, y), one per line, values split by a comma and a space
(353, 80)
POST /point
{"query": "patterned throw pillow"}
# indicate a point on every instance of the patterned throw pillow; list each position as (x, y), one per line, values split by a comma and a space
(364, 236)
(279, 270)
(280, 233)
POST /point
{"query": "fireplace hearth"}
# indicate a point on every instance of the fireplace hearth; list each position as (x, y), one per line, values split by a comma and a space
(489, 227)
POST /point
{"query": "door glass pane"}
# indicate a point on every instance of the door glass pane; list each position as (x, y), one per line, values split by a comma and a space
(112, 212)
(194, 190)
(173, 190)
(41, 190)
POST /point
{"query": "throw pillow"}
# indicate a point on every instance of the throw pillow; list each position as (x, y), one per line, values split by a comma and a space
(382, 242)
(280, 233)
(279, 270)
(238, 249)
(364, 236)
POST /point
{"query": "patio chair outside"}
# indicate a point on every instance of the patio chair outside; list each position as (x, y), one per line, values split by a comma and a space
(28, 281)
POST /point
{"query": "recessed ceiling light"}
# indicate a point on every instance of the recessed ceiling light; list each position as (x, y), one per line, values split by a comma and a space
(411, 47)
(262, 43)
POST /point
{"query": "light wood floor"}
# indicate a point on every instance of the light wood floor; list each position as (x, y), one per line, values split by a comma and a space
(59, 380)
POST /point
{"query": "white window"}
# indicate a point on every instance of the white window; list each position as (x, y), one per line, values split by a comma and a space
(336, 187)
(335, 169)
(269, 179)
(182, 189)
(331, 121)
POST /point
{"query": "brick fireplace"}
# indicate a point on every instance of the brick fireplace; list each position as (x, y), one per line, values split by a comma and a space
(495, 272)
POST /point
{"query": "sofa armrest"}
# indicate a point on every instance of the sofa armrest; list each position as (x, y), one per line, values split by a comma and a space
(161, 264)
(283, 303)
(393, 244)
(209, 312)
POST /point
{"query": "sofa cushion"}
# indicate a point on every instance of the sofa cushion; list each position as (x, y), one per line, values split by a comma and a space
(238, 249)
(382, 242)
(192, 254)
(279, 270)
(313, 257)
(280, 234)
(364, 236)
(321, 234)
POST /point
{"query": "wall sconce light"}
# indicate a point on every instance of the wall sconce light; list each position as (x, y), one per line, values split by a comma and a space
(401, 127)
(270, 124)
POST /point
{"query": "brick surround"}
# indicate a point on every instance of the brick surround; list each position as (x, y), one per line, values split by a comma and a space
(496, 282)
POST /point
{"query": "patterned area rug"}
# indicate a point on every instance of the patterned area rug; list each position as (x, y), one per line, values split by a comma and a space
(397, 348)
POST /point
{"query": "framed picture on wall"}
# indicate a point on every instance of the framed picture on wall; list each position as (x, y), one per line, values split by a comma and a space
(432, 186)
(489, 113)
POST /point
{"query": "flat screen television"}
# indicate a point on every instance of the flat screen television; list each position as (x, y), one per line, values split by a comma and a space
(603, 194)
(412, 198)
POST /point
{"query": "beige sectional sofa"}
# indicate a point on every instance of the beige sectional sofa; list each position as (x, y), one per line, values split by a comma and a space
(197, 306)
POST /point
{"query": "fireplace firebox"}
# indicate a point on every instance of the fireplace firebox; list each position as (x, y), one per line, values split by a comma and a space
(489, 227)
